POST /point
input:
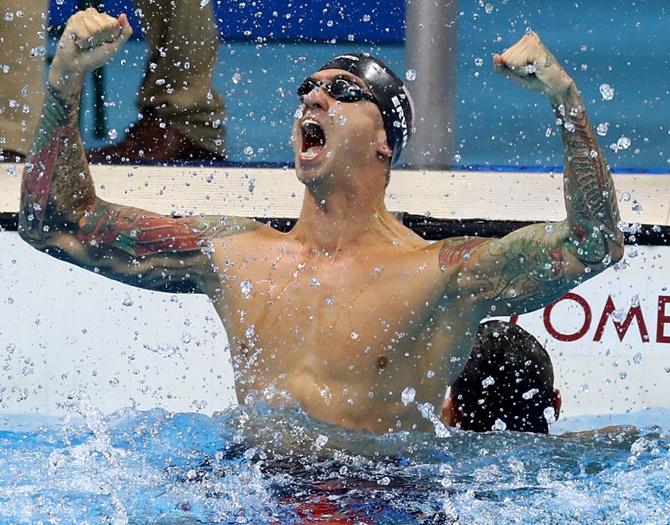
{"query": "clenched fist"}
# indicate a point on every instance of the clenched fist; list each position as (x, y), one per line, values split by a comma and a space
(531, 65)
(90, 39)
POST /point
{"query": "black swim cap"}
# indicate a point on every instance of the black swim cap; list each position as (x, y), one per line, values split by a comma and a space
(389, 92)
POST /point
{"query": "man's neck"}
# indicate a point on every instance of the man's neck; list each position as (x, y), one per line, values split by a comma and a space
(334, 221)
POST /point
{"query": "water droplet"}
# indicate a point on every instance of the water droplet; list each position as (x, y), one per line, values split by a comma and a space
(127, 302)
(250, 331)
(9, 16)
(165, 350)
(203, 3)
(354, 335)
(314, 282)
(623, 375)
(569, 126)
(549, 414)
(488, 382)
(602, 128)
(488, 8)
(637, 358)
(636, 207)
(606, 91)
(320, 441)
(410, 75)
(246, 287)
(366, 18)
(530, 393)
(530, 69)
(623, 142)
(248, 150)
(342, 120)
(407, 395)
(430, 373)
(236, 78)
(384, 481)
(499, 425)
(619, 314)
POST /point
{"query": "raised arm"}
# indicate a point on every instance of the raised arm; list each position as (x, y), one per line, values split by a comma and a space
(537, 264)
(60, 213)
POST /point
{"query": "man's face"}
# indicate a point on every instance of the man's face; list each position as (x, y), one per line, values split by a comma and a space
(332, 137)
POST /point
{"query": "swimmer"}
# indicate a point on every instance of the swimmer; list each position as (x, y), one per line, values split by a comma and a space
(350, 310)
(508, 383)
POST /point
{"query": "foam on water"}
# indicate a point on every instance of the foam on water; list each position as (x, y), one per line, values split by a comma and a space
(261, 465)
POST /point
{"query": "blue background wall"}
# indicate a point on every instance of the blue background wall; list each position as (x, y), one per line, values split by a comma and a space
(371, 21)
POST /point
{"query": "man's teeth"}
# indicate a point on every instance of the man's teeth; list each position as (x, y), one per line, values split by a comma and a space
(309, 121)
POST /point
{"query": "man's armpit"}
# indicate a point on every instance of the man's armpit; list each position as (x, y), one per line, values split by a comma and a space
(458, 249)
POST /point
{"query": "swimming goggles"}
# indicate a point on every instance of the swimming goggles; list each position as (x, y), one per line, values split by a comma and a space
(341, 89)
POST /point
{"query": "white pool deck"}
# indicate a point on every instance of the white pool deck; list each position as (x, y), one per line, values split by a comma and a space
(262, 192)
(63, 329)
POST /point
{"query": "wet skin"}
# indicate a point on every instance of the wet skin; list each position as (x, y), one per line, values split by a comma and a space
(350, 308)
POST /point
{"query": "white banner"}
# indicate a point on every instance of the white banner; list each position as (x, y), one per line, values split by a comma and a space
(65, 329)
(609, 338)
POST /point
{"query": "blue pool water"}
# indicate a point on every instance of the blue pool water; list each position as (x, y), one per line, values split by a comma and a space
(263, 466)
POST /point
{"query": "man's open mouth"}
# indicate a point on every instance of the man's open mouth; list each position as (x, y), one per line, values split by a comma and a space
(313, 139)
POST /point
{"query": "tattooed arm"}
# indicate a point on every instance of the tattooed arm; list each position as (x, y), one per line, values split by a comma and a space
(60, 213)
(537, 264)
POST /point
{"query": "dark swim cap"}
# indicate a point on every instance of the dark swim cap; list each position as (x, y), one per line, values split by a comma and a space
(390, 94)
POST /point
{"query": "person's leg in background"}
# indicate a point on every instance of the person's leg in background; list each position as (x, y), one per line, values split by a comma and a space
(182, 116)
(23, 41)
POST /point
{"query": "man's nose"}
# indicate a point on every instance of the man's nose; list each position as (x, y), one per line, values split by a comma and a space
(317, 98)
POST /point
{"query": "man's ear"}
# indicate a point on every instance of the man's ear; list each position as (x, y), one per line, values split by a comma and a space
(450, 414)
(556, 402)
(383, 148)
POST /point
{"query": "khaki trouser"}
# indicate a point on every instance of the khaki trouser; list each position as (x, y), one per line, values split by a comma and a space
(22, 43)
(177, 86)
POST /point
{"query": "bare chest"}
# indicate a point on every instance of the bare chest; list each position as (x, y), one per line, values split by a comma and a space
(329, 318)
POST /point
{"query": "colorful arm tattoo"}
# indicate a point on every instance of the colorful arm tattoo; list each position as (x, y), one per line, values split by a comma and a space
(58, 197)
(526, 268)
(590, 197)
(457, 250)
(140, 233)
(56, 179)
(535, 265)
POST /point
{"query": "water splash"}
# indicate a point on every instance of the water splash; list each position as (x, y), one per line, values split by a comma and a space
(258, 464)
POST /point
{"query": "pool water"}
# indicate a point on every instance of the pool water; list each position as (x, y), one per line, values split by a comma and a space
(261, 465)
